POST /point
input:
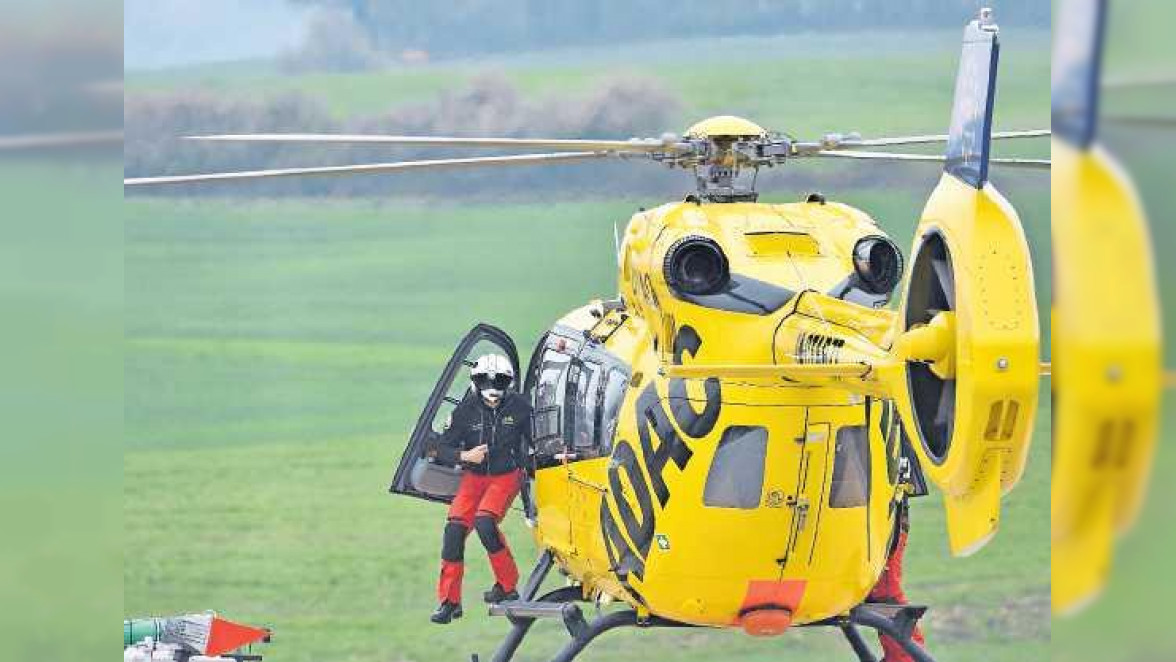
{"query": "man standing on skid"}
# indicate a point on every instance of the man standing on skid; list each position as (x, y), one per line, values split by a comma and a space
(889, 590)
(489, 434)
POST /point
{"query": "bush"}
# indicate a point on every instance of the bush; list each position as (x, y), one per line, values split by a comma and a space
(489, 106)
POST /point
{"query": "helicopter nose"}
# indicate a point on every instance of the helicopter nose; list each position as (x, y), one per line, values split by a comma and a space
(766, 621)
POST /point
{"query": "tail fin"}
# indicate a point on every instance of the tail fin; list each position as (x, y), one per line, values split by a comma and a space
(970, 135)
(1076, 73)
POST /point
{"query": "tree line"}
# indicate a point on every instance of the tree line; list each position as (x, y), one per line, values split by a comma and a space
(481, 26)
(488, 106)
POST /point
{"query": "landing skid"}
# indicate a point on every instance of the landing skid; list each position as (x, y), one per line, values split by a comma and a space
(897, 621)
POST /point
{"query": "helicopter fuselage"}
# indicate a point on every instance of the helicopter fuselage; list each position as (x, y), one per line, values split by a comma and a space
(703, 500)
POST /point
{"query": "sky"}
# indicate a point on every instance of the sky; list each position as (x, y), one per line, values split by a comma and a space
(167, 33)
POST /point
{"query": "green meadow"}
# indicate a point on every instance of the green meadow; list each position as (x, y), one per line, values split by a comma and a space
(277, 352)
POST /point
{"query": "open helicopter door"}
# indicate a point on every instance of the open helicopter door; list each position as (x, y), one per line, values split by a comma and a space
(970, 414)
(419, 474)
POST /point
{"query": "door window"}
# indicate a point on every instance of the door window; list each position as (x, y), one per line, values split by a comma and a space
(548, 395)
(585, 405)
(850, 487)
(549, 388)
(418, 474)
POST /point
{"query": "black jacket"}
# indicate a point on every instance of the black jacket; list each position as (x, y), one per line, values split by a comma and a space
(505, 429)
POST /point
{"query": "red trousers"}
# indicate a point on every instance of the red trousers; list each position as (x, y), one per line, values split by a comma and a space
(889, 590)
(479, 505)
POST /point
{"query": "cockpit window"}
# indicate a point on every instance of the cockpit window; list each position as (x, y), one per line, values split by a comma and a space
(548, 390)
(548, 402)
(736, 476)
(577, 394)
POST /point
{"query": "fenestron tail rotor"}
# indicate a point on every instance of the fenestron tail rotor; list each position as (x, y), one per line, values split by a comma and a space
(931, 292)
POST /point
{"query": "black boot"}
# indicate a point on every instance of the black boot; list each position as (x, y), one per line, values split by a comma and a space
(445, 612)
(496, 595)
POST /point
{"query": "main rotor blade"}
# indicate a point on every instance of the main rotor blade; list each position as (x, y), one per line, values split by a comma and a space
(792, 371)
(940, 138)
(105, 87)
(371, 168)
(1159, 122)
(56, 140)
(1139, 82)
(1027, 164)
(1031, 164)
(631, 145)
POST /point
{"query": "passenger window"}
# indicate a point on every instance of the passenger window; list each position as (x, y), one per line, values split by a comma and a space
(736, 476)
(850, 487)
(614, 396)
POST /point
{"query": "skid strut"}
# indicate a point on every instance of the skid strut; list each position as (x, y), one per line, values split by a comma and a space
(559, 604)
(521, 625)
(854, 636)
(895, 621)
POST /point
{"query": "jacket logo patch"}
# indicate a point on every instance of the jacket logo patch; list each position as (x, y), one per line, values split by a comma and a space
(508, 420)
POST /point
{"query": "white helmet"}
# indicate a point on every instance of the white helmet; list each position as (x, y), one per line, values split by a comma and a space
(491, 375)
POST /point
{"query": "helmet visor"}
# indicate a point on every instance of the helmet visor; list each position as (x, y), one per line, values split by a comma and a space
(498, 382)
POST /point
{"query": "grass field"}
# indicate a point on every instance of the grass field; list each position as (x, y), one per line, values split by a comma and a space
(277, 352)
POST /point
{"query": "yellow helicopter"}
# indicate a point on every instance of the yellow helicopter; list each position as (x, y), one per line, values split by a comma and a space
(727, 443)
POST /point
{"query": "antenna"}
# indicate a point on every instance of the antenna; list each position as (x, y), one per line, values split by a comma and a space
(617, 241)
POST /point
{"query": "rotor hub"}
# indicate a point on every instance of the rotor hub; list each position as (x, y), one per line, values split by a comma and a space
(726, 126)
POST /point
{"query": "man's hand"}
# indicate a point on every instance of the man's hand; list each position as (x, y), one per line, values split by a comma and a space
(475, 455)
